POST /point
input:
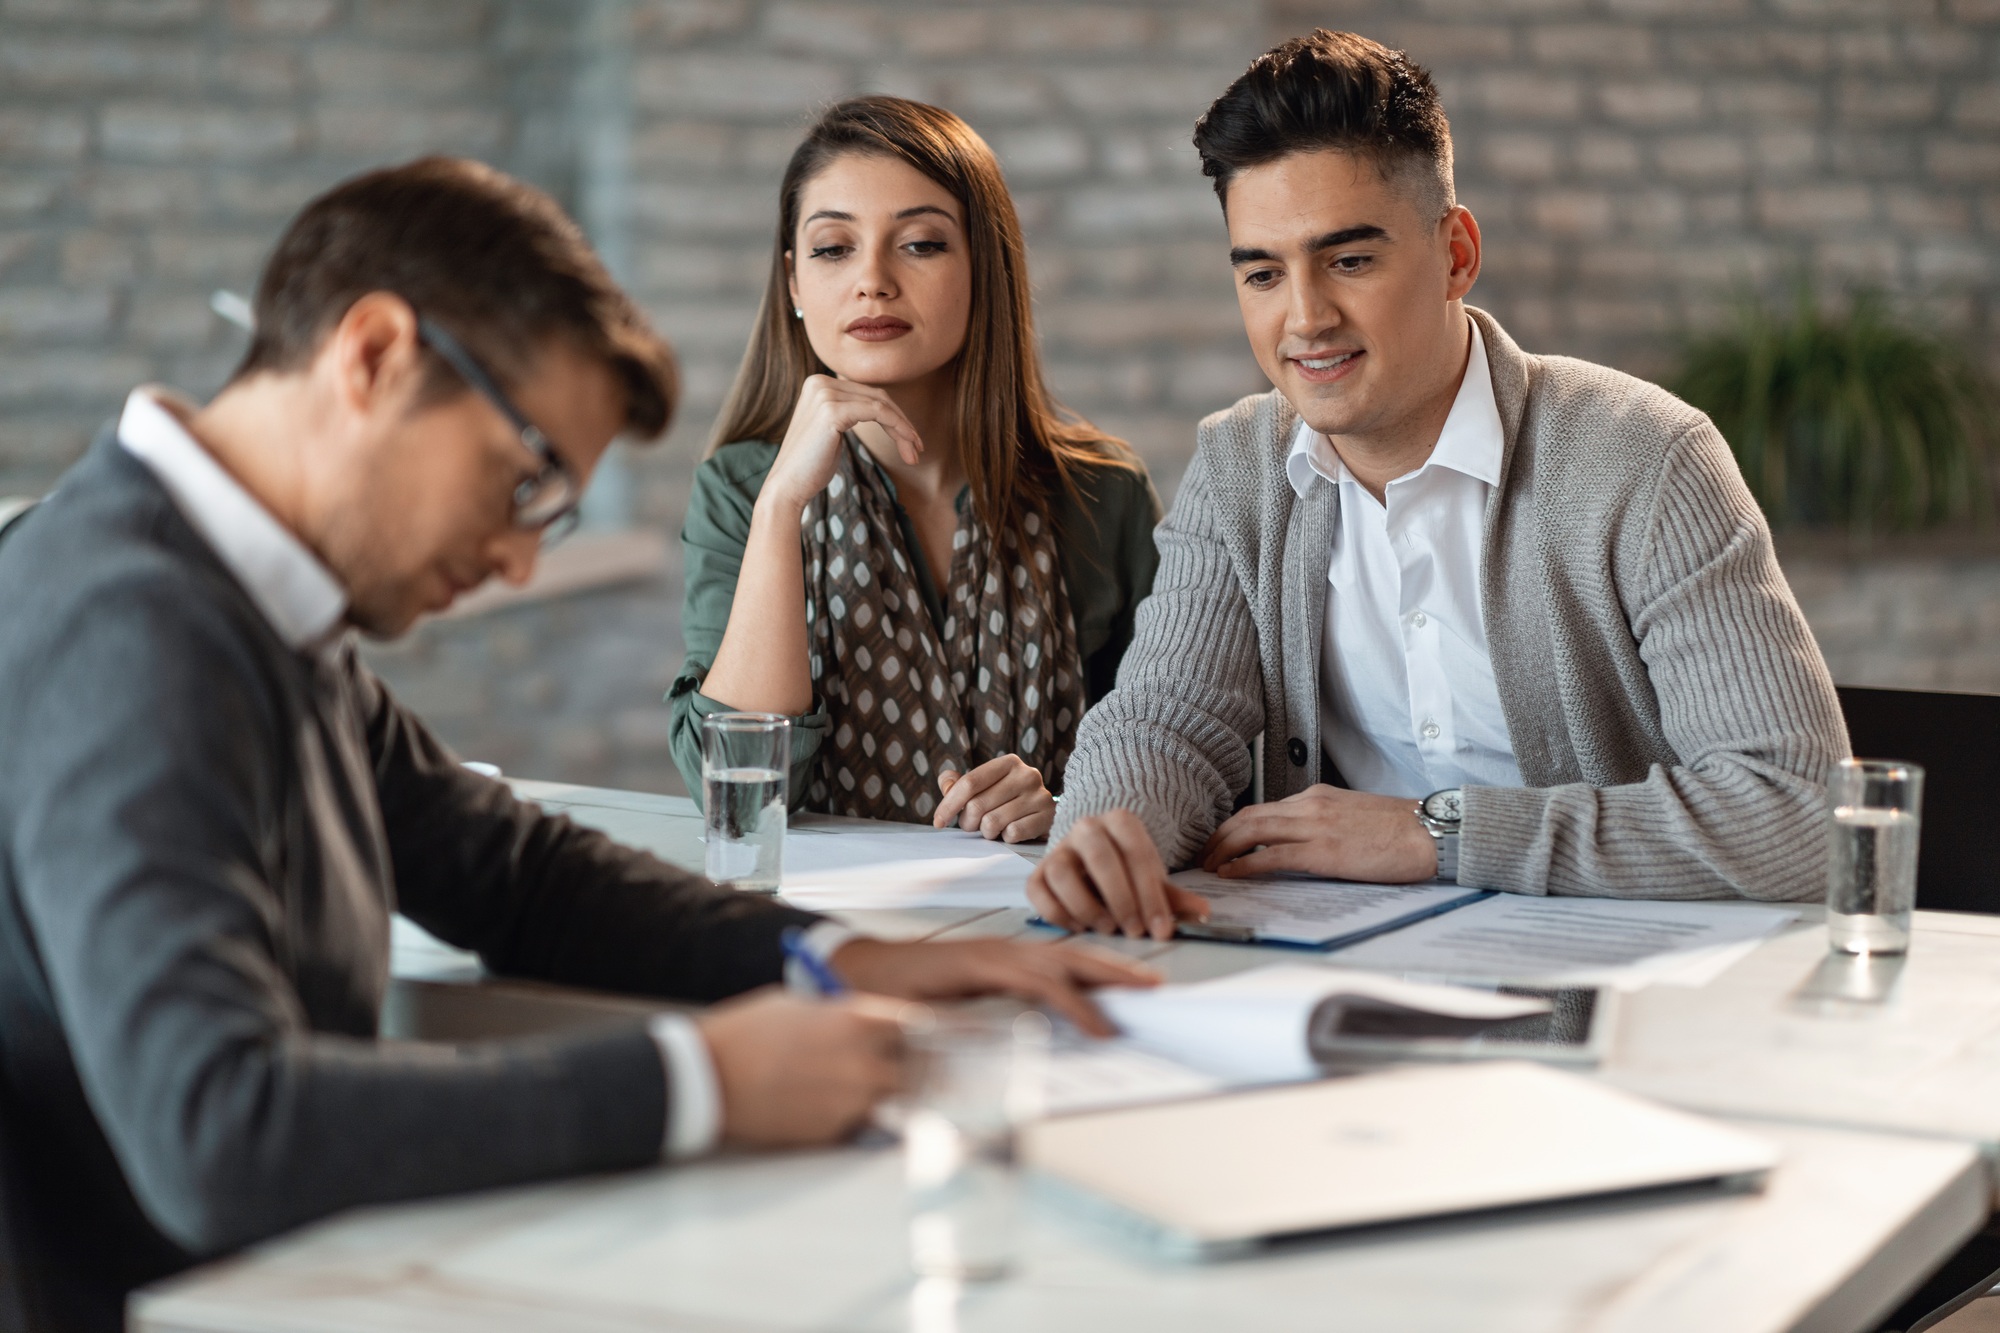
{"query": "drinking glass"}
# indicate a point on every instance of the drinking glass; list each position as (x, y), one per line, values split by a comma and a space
(1871, 885)
(745, 758)
(976, 1072)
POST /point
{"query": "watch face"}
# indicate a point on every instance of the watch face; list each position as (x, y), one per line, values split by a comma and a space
(1446, 805)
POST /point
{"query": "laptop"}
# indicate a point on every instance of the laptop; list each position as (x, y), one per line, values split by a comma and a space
(1220, 1176)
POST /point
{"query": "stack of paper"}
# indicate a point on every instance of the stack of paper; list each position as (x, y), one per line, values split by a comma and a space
(1576, 942)
(900, 868)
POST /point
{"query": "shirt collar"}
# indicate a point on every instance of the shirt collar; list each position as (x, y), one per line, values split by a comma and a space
(1471, 442)
(296, 593)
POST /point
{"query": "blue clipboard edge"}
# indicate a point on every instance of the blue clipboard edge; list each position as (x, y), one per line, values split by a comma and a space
(1226, 935)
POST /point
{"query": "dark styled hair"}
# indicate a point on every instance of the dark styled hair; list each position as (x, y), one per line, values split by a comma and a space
(493, 260)
(1018, 446)
(1331, 90)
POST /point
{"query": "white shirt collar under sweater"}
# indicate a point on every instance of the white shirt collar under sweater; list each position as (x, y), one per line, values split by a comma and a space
(296, 593)
(1408, 703)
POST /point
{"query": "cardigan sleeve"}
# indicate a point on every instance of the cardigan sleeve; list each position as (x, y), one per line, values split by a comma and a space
(712, 541)
(1171, 742)
(1746, 704)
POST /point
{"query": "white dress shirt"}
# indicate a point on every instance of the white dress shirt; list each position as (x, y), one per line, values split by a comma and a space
(305, 605)
(1408, 704)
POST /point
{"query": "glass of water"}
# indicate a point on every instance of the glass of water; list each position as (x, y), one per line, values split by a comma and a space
(745, 758)
(1871, 883)
(976, 1072)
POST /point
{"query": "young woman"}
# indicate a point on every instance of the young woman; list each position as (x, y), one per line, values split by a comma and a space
(897, 538)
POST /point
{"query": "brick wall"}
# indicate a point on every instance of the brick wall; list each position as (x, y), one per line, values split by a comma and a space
(151, 149)
(1089, 108)
(1631, 161)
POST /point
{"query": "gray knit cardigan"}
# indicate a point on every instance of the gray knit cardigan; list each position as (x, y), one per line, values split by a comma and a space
(1670, 712)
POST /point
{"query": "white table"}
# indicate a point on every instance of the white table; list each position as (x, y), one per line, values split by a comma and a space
(1852, 1219)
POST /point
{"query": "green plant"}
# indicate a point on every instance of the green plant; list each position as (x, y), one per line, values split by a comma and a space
(1848, 418)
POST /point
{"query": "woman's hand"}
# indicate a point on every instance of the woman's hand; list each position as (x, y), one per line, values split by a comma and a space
(827, 409)
(1002, 798)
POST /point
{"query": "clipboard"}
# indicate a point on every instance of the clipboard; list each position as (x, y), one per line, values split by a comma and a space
(1304, 912)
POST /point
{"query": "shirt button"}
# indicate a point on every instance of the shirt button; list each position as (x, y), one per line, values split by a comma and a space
(1420, 620)
(1431, 731)
(1295, 749)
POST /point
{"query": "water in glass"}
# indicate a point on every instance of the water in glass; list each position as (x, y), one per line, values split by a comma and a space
(746, 827)
(1873, 879)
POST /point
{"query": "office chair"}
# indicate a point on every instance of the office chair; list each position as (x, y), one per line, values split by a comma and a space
(1956, 738)
(20, 1305)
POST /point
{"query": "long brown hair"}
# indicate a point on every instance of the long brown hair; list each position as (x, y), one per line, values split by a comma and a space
(1016, 444)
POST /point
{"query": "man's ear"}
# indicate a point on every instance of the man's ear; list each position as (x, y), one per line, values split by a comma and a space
(373, 356)
(1462, 243)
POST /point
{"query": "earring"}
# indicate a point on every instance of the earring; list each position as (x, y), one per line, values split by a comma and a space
(798, 312)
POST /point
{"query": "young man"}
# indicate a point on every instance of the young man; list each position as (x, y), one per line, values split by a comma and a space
(209, 808)
(1429, 565)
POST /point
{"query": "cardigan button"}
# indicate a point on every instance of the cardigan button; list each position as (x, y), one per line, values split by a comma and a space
(1296, 748)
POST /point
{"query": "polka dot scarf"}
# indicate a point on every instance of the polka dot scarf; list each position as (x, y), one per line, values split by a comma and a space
(904, 701)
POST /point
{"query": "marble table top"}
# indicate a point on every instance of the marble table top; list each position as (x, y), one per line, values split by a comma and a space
(815, 1241)
(1878, 1088)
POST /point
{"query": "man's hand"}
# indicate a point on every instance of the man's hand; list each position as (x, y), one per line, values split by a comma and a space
(1001, 798)
(795, 1072)
(1106, 875)
(1325, 831)
(1049, 974)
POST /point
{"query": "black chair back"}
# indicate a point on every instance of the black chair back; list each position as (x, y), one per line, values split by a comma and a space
(1956, 738)
(19, 1264)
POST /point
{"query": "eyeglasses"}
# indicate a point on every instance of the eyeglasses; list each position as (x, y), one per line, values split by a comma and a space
(546, 502)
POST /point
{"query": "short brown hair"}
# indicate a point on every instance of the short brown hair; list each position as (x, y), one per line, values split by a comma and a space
(1330, 90)
(493, 260)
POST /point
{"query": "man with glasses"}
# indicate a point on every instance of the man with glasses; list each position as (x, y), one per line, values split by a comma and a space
(209, 808)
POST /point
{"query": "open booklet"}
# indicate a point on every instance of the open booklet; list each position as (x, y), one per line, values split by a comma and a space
(1277, 1023)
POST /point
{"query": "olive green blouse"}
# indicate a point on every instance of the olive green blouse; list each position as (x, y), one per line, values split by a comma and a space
(1107, 560)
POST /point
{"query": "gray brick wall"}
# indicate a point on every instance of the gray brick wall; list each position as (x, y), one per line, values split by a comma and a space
(151, 149)
(1632, 161)
(1088, 106)
(1637, 162)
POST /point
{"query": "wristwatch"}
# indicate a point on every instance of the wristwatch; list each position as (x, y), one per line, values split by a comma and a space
(1441, 813)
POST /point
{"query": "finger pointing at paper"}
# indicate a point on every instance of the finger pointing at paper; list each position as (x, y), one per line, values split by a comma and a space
(1106, 876)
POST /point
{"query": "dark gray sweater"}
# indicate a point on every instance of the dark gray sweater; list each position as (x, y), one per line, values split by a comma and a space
(202, 837)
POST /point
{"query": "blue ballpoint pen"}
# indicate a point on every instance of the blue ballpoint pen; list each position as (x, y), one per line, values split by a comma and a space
(793, 941)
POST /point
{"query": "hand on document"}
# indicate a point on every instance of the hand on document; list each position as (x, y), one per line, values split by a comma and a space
(1327, 831)
(1107, 876)
(1051, 974)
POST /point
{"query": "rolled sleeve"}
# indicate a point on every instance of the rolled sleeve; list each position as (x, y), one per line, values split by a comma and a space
(688, 706)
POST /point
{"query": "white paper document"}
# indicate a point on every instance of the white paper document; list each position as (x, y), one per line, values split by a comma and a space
(1576, 942)
(1254, 1027)
(1320, 912)
(918, 867)
(1093, 1075)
